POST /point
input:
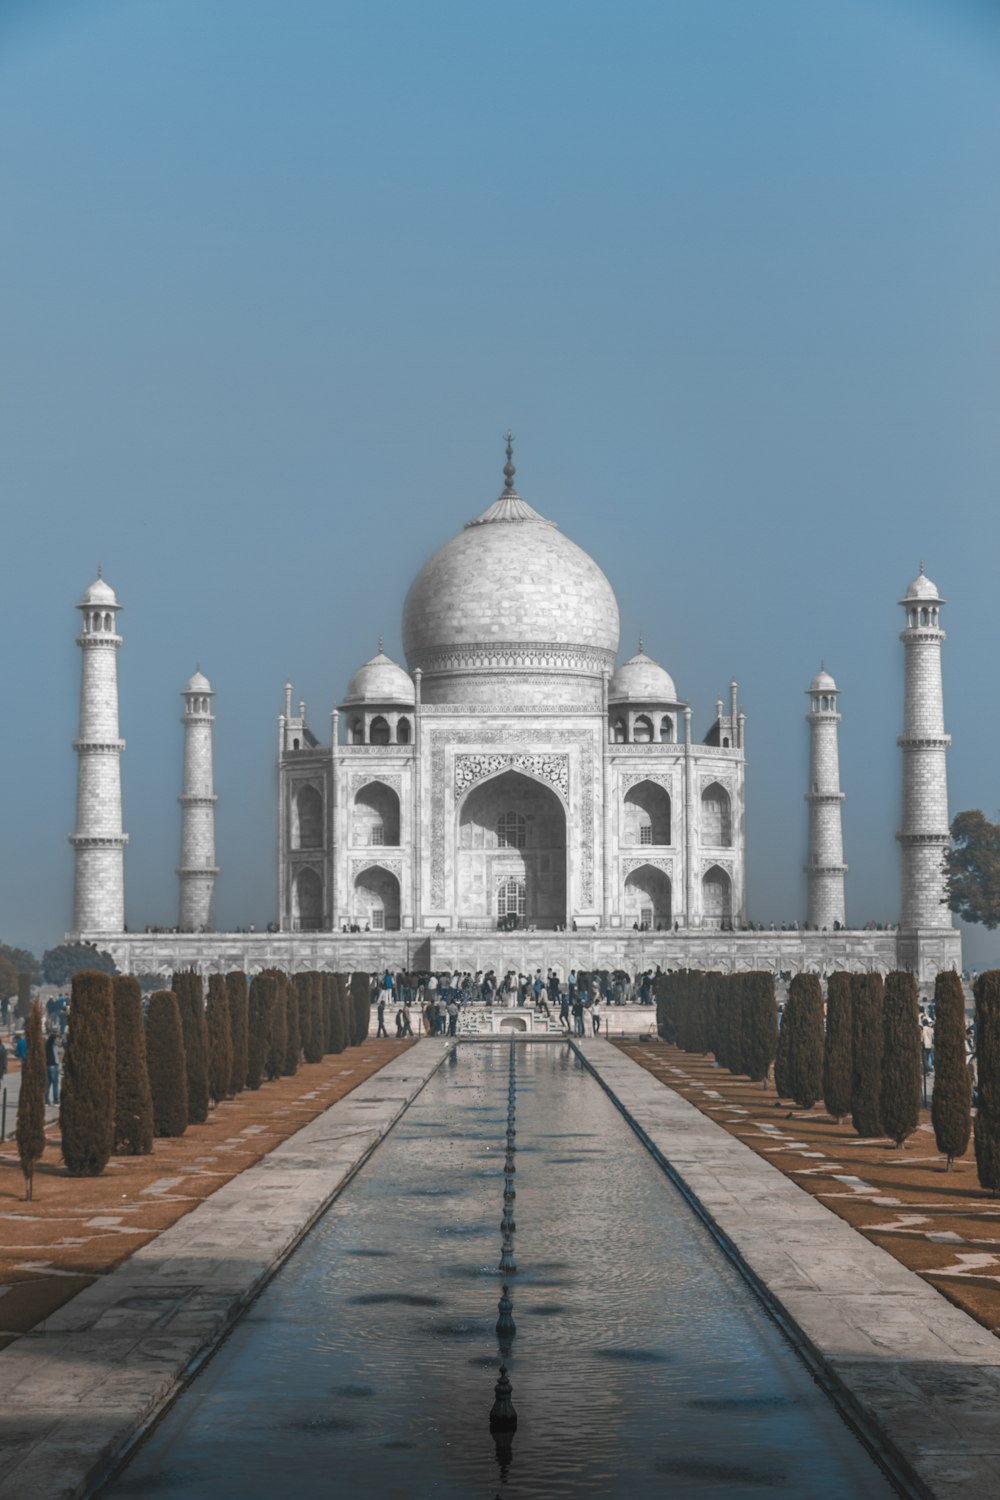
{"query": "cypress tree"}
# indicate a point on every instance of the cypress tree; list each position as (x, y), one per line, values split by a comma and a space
(987, 1128)
(30, 1130)
(133, 1100)
(220, 1039)
(236, 991)
(191, 1003)
(165, 1061)
(866, 1053)
(23, 998)
(760, 1024)
(837, 1063)
(293, 1042)
(277, 1033)
(901, 1069)
(710, 1003)
(361, 1005)
(342, 997)
(665, 1028)
(310, 993)
(805, 1051)
(87, 1109)
(951, 1104)
(258, 1030)
(337, 1036)
(734, 994)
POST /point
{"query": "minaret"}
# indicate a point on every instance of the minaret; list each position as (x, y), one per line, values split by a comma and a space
(825, 868)
(923, 833)
(99, 843)
(197, 869)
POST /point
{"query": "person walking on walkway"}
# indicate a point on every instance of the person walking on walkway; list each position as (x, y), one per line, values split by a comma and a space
(51, 1070)
(595, 1016)
(381, 1015)
(453, 1017)
(407, 1023)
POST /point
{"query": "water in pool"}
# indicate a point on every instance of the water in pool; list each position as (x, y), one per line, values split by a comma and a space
(642, 1364)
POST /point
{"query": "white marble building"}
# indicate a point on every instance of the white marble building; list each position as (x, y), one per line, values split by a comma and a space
(512, 775)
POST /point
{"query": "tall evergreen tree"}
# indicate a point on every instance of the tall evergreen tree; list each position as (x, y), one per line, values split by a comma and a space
(694, 1005)
(236, 990)
(951, 1104)
(293, 1040)
(190, 994)
(133, 1099)
(902, 1073)
(30, 1130)
(665, 1028)
(311, 1019)
(361, 1006)
(277, 1027)
(333, 1004)
(220, 1039)
(782, 1055)
(734, 996)
(259, 1027)
(867, 1041)
(987, 1127)
(837, 1061)
(87, 1108)
(805, 1058)
(165, 1061)
(710, 1001)
(760, 1024)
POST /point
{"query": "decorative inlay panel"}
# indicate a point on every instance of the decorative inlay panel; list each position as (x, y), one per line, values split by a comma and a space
(470, 769)
(362, 778)
(504, 655)
(666, 865)
(634, 780)
(392, 866)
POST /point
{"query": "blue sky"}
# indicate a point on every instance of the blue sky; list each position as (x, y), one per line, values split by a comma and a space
(276, 277)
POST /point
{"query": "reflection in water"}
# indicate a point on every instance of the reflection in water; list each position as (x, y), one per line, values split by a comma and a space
(657, 1373)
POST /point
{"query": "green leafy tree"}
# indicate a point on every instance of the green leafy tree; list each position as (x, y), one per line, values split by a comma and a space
(133, 1099)
(166, 1064)
(8, 978)
(22, 960)
(220, 1039)
(902, 1073)
(61, 963)
(867, 1040)
(987, 1127)
(30, 1130)
(805, 1055)
(760, 1024)
(258, 1031)
(187, 986)
(972, 866)
(951, 1105)
(837, 1061)
(87, 1107)
(236, 990)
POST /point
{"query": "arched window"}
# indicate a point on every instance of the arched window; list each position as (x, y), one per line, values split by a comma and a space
(377, 900)
(295, 744)
(716, 817)
(308, 892)
(647, 899)
(511, 899)
(403, 731)
(646, 814)
(717, 899)
(619, 731)
(666, 730)
(924, 618)
(308, 826)
(512, 831)
(357, 732)
(376, 815)
(379, 732)
(642, 730)
(107, 622)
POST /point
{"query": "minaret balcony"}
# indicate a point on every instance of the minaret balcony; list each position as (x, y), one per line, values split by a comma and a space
(923, 741)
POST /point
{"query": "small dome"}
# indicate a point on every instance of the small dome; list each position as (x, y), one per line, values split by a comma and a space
(823, 682)
(641, 680)
(380, 680)
(199, 683)
(100, 594)
(921, 588)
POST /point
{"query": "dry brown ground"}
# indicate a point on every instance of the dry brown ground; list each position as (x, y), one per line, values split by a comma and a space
(79, 1228)
(942, 1225)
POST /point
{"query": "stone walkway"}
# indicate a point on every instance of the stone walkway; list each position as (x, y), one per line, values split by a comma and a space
(919, 1377)
(76, 1391)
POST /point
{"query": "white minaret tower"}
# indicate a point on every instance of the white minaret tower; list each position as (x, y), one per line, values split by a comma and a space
(197, 869)
(923, 834)
(99, 886)
(825, 868)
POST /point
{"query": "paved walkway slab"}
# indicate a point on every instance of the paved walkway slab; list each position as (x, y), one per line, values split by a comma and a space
(919, 1377)
(76, 1390)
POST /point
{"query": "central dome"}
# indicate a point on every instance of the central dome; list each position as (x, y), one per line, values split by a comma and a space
(510, 596)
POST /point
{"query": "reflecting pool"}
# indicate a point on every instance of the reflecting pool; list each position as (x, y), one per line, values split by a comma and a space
(642, 1364)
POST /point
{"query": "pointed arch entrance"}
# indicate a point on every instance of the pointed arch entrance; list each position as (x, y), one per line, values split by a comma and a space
(510, 866)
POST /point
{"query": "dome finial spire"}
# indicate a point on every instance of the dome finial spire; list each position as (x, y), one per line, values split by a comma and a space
(100, 569)
(642, 643)
(381, 644)
(508, 468)
(921, 567)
